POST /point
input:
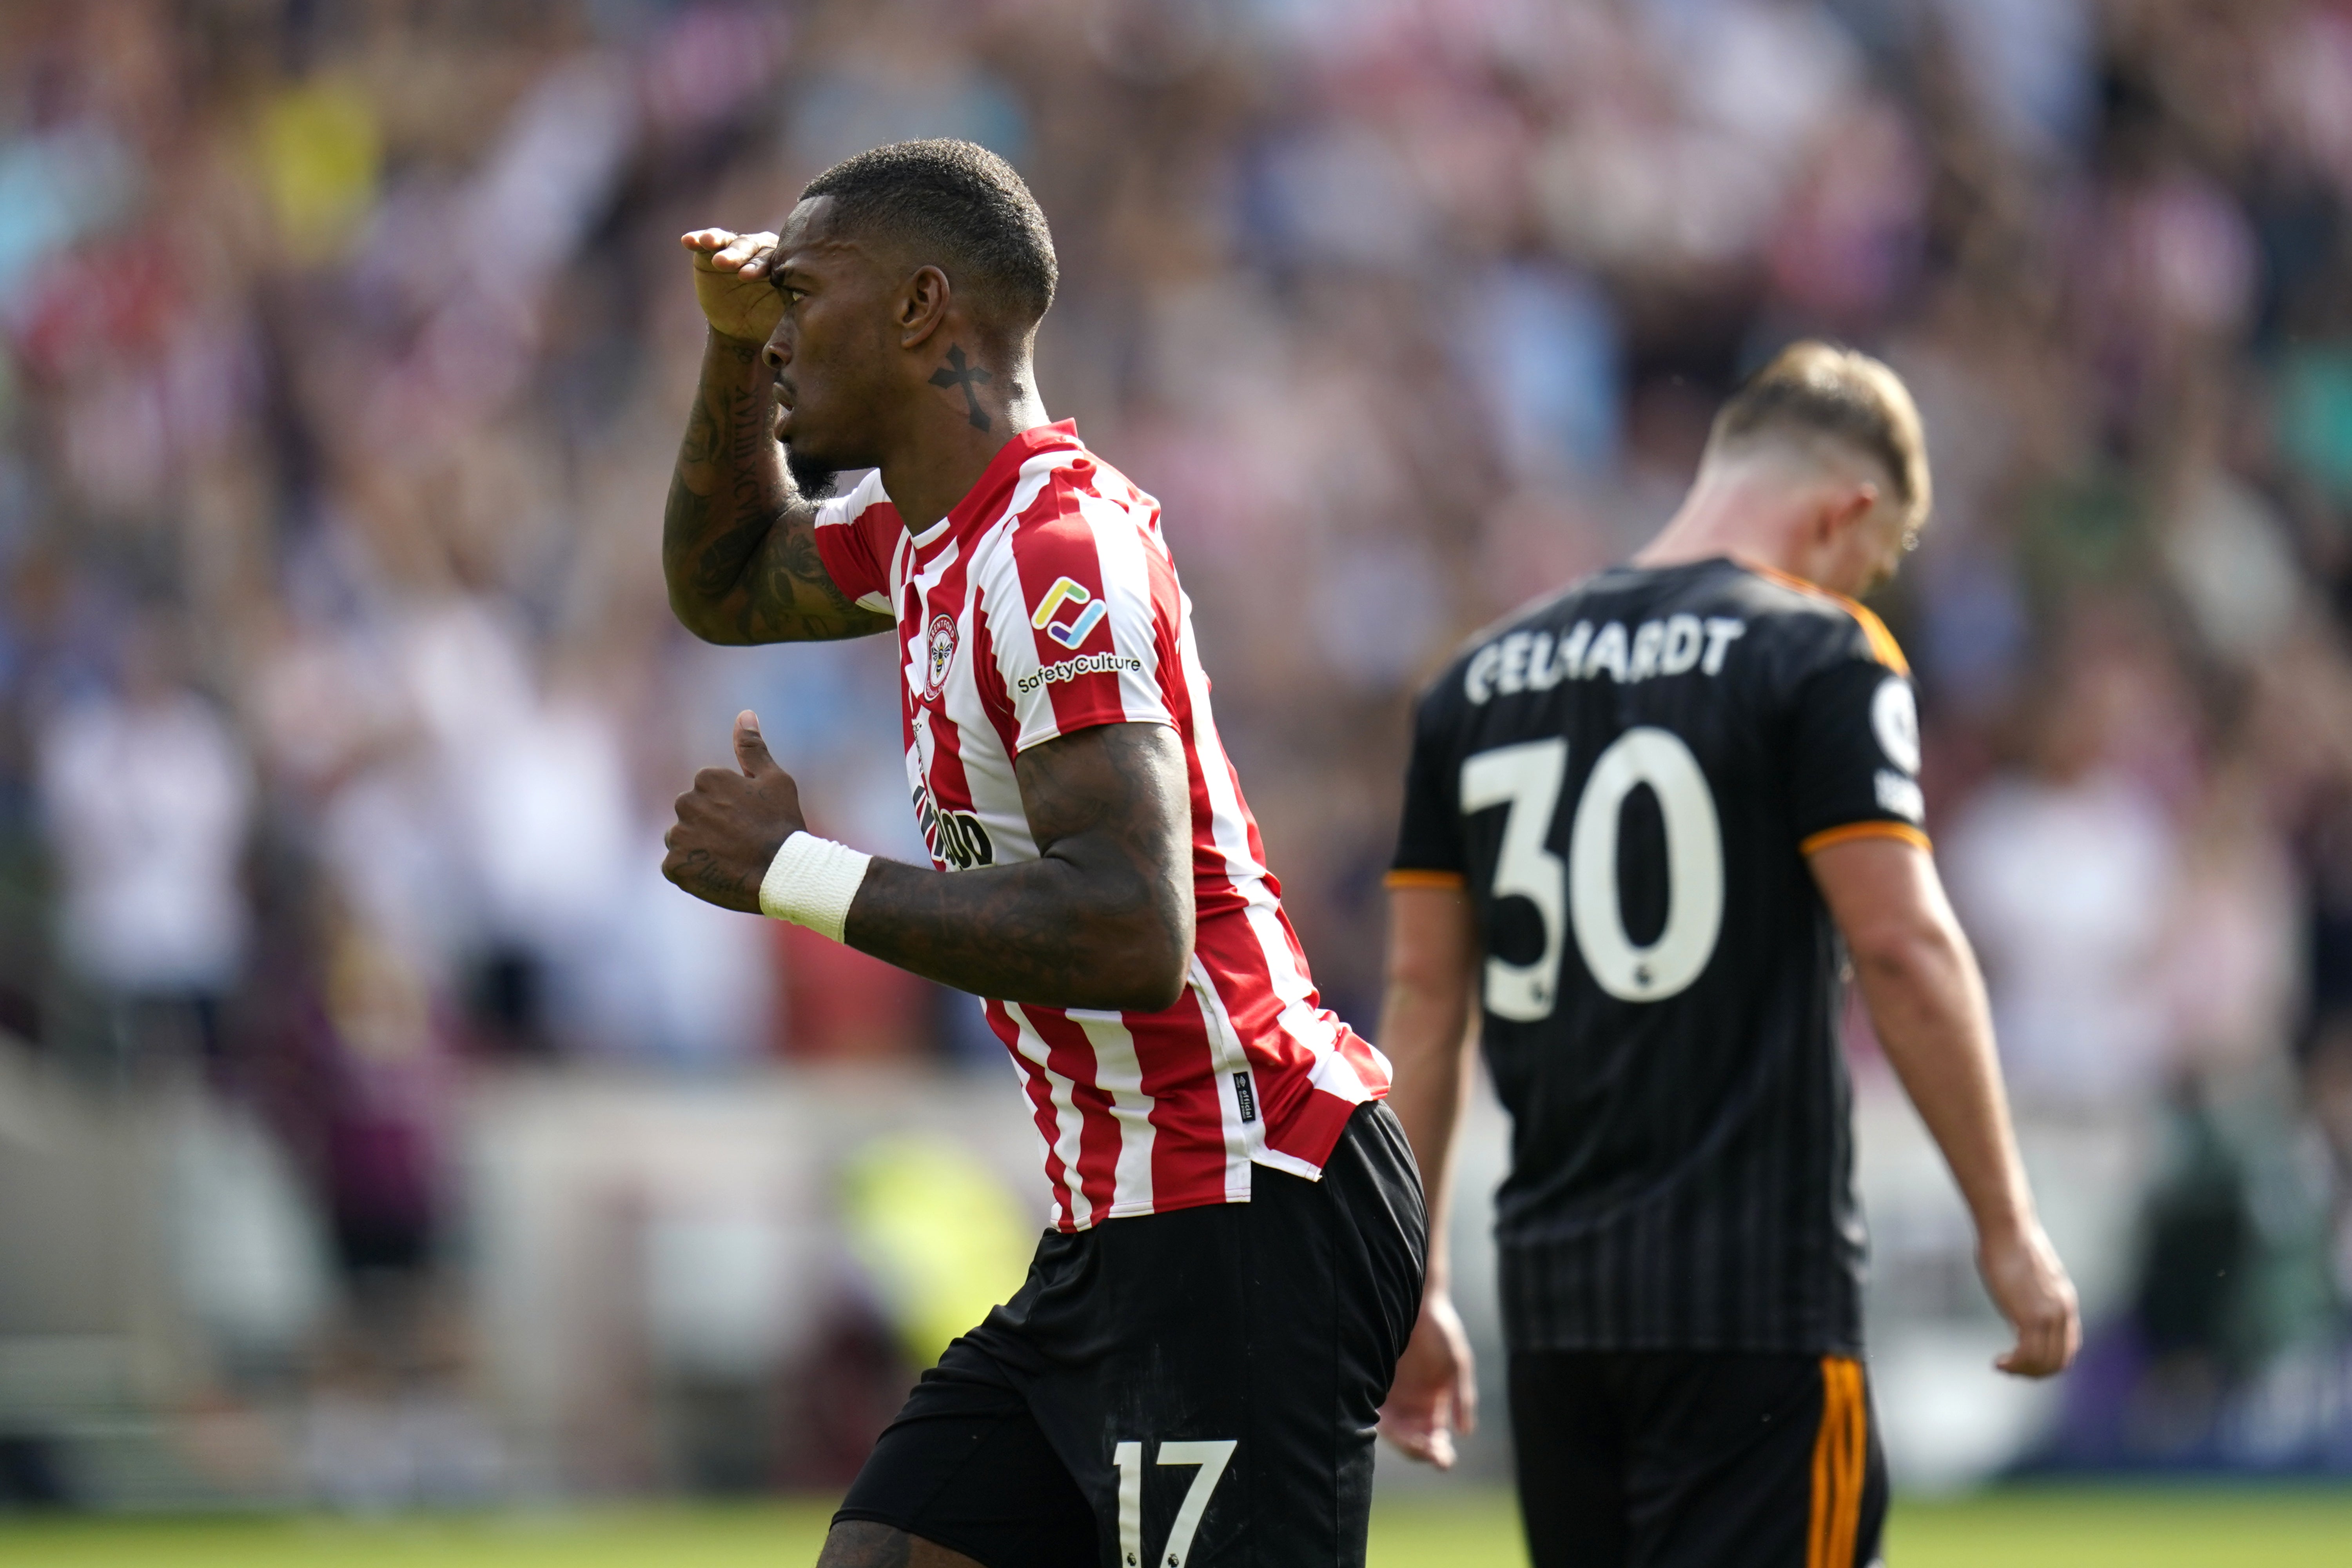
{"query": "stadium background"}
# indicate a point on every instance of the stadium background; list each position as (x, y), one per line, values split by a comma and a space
(379, 1131)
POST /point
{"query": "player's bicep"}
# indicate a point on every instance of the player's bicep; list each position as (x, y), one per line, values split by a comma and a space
(1111, 807)
(1883, 892)
(799, 588)
(1119, 792)
(785, 592)
(1433, 943)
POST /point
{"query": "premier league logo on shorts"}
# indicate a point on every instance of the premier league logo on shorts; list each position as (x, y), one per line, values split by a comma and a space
(939, 647)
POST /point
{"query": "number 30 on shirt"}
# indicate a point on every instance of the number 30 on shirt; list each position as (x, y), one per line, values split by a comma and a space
(1583, 894)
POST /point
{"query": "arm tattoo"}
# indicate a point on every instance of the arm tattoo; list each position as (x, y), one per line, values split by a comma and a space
(1103, 919)
(739, 542)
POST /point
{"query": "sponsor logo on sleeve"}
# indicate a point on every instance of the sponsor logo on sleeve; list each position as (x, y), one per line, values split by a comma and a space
(1071, 669)
(1895, 716)
(1901, 794)
(1068, 592)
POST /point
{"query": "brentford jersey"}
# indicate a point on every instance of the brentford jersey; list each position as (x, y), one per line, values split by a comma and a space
(1045, 604)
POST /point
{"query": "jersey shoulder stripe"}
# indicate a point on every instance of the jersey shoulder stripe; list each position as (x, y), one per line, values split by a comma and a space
(1883, 645)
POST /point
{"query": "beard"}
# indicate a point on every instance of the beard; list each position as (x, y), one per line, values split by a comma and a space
(813, 478)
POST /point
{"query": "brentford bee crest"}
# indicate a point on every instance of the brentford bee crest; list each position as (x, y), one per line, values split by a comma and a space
(939, 646)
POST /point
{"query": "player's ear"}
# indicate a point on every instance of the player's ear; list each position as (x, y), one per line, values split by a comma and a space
(1848, 505)
(923, 303)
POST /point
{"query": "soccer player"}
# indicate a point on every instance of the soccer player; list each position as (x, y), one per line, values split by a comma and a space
(1649, 823)
(1192, 1370)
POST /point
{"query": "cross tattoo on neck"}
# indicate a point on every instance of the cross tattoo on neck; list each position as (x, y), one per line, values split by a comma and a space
(966, 376)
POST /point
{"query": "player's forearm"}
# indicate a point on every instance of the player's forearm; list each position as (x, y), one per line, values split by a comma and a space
(1098, 932)
(1102, 919)
(1927, 1003)
(1425, 1030)
(739, 548)
(1428, 1046)
(726, 494)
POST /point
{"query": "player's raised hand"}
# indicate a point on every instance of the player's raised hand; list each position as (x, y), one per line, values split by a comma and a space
(1435, 1393)
(2030, 1286)
(730, 824)
(732, 282)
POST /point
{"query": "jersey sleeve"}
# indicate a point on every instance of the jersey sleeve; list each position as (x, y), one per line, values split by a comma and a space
(1429, 839)
(1857, 755)
(854, 544)
(1080, 611)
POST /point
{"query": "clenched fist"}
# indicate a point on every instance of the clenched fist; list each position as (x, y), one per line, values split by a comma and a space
(730, 824)
(732, 282)
(1435, 1393)
(2027, 1282)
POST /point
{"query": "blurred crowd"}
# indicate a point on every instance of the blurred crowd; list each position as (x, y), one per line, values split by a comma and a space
(347, 344)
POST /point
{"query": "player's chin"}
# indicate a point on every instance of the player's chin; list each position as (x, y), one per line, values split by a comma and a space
(813, 472)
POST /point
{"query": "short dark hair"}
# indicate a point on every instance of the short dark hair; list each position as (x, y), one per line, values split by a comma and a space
(962, 208)
(1817, 389)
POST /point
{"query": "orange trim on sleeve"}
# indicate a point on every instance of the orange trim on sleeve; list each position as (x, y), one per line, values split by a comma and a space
(1883, 645)
(1410, 879)
(1853, 830)
(1841, 1455)
(1882, 641)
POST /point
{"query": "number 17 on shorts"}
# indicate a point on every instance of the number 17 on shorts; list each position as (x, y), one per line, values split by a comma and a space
(1209, 1456)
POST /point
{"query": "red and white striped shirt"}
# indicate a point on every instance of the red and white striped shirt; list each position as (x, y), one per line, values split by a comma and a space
(1045, 603)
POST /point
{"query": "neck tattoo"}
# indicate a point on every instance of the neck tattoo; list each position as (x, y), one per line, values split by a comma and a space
(958, 374)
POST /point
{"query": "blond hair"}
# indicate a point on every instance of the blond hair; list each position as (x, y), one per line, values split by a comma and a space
(1813, 390)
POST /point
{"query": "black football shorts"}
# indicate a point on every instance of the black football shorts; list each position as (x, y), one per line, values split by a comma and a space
(1696, 1459)
(1192, 1388)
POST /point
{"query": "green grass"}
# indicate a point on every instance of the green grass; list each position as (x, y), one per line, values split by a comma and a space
(2178, 1526)
(2152, 1525)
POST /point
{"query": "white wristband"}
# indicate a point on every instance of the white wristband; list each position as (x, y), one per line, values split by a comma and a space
(811, 882)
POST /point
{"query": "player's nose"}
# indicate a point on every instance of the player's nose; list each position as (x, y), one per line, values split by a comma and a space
(776, 353)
